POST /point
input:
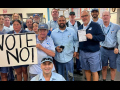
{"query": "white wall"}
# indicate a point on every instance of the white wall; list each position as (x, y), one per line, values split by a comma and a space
(24, 11)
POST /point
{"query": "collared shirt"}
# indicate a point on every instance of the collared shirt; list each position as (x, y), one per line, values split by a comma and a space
(85, 27)
(99, 21)
(118, 40)
(48, 44)
(52, 24)
(75, 27)
(110, 33)
(69, 40)
(54, 77)
(5, 29)
(16, 33)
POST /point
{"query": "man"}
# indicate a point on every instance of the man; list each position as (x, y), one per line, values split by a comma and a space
(65, 40)
(36, 18)
(3, 29)
(90, 49)
(7, 22)
(52, 24)
(16, 16)
(29, 25)
(75, 24)
(31, 17)
(95, 18)
(45, 47)
(107, 47)
(117, 51)
(47, 74)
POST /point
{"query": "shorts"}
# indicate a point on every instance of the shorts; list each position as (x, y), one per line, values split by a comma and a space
(118, 63)
(108, 55)
(91, 61)
(16, 67)
(4, 69)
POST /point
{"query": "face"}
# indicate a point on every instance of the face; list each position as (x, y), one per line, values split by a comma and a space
(36, 18)
(17, 26)
(29, 23)
(72, 17)
(43, 33)
(94, 14)
(62, 22)
(47, 67)
(85, 17)
(7, 22)
(54, 13)
(1, 20)
(106, 17)
(35, 27)
(15, 17)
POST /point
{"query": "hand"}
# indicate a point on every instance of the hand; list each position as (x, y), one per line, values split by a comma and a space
(74, 54)
(51, 29)
(58, 49)
(89, 36)
(116, 51)
(39, 46)
(77, 55)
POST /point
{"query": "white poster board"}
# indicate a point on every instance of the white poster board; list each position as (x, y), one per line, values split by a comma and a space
(18, 49)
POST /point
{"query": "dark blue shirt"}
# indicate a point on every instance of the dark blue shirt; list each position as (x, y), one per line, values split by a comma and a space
(98, 36)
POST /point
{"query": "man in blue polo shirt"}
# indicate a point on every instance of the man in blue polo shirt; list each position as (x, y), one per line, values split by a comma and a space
(47, 74)
(52, 24)
(107, 47)
(90, 49)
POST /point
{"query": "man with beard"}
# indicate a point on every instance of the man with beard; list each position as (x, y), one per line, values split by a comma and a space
(94, 14)
(52, 24)
(95, 18)
(65, 39)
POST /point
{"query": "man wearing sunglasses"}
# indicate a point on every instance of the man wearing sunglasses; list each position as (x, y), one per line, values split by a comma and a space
(47, 74)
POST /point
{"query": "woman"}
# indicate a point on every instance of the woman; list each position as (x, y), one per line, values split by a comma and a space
(35, 27)
(23, 68)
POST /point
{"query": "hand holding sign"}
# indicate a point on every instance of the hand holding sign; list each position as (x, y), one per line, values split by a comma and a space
(39, 46)
(89, 36)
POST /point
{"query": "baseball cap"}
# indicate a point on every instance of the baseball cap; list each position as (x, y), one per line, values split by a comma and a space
(95, 9)
(36, 15)
(47, 58)
(43, 26)
(72, 13)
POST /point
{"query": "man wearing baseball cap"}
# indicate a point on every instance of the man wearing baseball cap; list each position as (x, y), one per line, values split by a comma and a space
(36, 18)
(95, 14)
(45, 47)
(47, 74)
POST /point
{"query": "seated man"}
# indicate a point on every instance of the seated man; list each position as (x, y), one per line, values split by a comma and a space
(47, 74)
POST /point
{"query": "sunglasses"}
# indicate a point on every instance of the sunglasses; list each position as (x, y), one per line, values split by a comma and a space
(47, 59)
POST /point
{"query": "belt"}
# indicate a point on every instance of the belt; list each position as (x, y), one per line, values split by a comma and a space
(108, 48)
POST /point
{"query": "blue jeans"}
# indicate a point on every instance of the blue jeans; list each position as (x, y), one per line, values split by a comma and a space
(69, 66)
(78, 63)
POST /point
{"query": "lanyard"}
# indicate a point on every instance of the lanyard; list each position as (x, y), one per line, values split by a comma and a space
(107, 31)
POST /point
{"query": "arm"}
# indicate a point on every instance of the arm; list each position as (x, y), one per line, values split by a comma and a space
(48, 52)
(100, 36)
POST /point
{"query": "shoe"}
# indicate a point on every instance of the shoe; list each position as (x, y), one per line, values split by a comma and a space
(78, 72)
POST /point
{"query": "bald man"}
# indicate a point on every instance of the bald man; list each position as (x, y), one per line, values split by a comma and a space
(90, 49)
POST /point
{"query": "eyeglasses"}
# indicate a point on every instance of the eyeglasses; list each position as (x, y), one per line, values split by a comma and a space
(42, 30)
(84, 16)
(47, 59)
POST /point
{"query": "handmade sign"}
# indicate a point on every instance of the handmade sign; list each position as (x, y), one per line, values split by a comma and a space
(18, 49)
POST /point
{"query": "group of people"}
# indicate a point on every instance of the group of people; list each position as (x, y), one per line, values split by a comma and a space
(58, 45)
